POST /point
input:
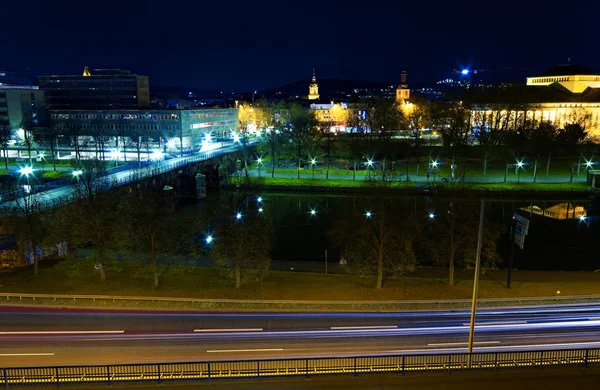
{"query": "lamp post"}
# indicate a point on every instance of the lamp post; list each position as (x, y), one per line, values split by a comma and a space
(476, 282)
(26, 171)
(76, 174)
(369, 165)
(519, 166)
(259, 163)
(312, 164)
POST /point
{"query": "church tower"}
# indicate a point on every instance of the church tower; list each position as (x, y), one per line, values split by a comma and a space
(313, 88)
(402, 91)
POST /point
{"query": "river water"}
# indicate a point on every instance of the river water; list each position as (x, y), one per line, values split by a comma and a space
(563, 234)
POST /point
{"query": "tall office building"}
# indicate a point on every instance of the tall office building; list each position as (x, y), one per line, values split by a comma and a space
(22, 103)
(96, 89)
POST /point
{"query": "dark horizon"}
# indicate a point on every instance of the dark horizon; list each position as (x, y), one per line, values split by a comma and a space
(239, 46)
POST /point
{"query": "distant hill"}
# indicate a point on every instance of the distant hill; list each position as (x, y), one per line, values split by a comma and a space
(328, 88)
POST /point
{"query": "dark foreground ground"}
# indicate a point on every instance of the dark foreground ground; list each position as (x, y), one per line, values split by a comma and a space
(553, 379)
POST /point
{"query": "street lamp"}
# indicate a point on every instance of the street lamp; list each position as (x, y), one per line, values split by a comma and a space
(236, 138)
(238, 216)
(369, 165)
(582, 218)
(209, 239)
(431, 216)
(313, 212)
(259, 163)
(368, 214)
(588, 164)
(519, 167)
(260, 209)
(76, 174)
(313, 161)
(259, 199)
(26, 171)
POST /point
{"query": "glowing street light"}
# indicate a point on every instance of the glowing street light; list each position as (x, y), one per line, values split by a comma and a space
(313, 212)
(77, 173)
(259, 163)
(236, 138)
(26, 171)
(434, 164)
(464, 72)
(157, 155)
(520, 164)
(172, 143)
(259, 199)
(368, 214)
(209, 239)
(370, 163)
(260, 209)
(582, 218)
(238, 216)
(588, 164)
(313, 161)
(431, 215)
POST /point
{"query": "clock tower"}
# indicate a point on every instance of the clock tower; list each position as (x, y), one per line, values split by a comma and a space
(313, 88)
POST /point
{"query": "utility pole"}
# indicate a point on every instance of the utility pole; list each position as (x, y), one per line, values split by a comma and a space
(476, 281)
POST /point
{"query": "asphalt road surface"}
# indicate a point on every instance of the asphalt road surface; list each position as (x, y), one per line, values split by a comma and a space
(45, 336)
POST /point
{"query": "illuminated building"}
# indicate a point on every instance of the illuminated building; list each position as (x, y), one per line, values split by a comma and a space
(187, 128)
(561, 95)
(313, 88)
(331, 114)
(402, 92)
(97, 89)
(18, 103)
(558, 211)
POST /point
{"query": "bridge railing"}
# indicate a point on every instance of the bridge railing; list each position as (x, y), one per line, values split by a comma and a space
(112, 181)
(304, 367)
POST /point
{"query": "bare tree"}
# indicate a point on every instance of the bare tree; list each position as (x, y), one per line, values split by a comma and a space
(6, 134)
(380, 247)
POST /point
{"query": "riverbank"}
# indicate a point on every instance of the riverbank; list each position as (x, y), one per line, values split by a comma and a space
(209, 283)
(361, 186)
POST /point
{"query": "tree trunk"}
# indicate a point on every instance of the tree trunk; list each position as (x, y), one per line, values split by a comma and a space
(354, 171)
(579, 164)
(298, 168)
(379, 272)
(100, 267)
(327, 172)
(485, 160)
(273, 167)
(548, 164)
(535, 170)
(6, 158)
(153, 261)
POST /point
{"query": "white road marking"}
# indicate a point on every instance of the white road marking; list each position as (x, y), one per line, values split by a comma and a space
(63, 332)
(26, 354)
(245, 350)
(364, 327)
(228, 330)
(497, 323)
(457, 344)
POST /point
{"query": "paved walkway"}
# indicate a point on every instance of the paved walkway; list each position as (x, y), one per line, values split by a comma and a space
(307, 174)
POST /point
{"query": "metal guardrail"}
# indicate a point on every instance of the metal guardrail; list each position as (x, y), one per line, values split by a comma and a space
(33, 297)
(257, 369)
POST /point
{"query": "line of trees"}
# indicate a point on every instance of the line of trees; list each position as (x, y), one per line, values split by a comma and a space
(459, 130)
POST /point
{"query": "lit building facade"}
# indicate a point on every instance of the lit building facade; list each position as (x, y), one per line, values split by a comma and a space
(21, 103)
(96, 89)
(186, 129)
(561, 95)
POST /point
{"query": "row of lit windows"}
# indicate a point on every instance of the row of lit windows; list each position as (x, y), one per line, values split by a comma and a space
(92, 88)
(87, 80)
(211, 115)
(144, 116)
(118, 127)
(91, 97)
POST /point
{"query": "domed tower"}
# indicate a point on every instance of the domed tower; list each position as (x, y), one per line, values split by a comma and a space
(313, 88)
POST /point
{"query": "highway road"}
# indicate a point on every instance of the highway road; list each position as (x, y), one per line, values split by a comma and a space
(45, 336)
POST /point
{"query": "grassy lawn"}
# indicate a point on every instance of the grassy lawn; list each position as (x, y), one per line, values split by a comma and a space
(199, 282)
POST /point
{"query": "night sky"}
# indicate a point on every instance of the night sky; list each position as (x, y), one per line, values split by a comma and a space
(244, 45)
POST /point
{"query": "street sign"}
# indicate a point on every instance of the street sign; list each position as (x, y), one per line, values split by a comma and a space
(521, 229)
(522, 220)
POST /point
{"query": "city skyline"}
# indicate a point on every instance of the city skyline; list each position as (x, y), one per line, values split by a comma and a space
(262, 46)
